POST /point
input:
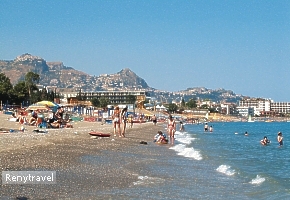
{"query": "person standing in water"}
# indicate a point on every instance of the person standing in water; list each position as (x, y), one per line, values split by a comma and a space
(206, 127)
(181, 127)
(280, 139)
(171, 127)
(210, 129)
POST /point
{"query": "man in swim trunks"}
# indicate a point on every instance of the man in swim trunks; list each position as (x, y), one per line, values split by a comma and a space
(154, 120)
(206, 127)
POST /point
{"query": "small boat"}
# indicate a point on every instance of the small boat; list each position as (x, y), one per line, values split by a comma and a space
(99, 134)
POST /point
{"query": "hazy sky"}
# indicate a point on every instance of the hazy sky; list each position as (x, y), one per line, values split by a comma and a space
(239, 45)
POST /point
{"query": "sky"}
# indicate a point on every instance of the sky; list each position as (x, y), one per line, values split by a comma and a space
(238, 45)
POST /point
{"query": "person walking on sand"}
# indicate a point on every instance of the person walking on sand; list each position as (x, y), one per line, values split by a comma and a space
(280, 139)
(171, 126)
(124, 120)
(130, 121)
(154, 119)
(116, 121)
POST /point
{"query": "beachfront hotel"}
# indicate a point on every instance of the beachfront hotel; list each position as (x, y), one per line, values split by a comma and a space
(115, 97)
(265, 106)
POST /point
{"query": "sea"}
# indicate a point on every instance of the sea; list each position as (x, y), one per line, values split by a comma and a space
(223, 164)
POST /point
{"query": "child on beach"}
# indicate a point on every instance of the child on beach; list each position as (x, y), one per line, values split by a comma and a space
(160, 138)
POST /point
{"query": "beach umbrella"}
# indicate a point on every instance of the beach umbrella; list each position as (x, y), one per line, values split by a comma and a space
(44, 103)
(41, 105)
(36, 107)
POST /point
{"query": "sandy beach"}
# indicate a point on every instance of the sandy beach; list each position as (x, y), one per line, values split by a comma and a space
(84, 166)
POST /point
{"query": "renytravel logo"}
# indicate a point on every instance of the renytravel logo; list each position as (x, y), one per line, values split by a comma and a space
(28, 177)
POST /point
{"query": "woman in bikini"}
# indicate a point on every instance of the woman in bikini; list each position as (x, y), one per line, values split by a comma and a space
(124, 120)
(171, 127)
(116, 121)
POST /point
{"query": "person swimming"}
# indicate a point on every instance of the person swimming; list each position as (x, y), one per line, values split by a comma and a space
(265, 141)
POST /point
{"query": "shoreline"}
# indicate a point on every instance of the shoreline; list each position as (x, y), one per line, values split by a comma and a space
(82, 163)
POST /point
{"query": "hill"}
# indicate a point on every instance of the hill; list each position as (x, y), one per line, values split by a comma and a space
(56, 74)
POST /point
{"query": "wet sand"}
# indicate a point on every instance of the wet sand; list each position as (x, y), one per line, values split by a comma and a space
(84, 166)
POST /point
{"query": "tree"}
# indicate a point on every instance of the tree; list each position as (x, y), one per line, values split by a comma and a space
(172, 107)
(81, 96)
(31, 79)
(204, 106)
(6, 88)
(95, 102)
(35, 95)
(182, 103)
(191, 103)
(20, 93)
(104, 102)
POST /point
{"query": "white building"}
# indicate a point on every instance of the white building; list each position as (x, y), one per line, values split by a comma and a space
(258, 104)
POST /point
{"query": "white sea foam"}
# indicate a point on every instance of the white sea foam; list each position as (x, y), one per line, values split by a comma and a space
(185, 140)
(257, 180)
(146, 180)
(187, 152)
(183, 137)
(225, 169)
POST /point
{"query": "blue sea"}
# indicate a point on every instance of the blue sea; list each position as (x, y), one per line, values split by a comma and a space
(239, 165)
(223, 164)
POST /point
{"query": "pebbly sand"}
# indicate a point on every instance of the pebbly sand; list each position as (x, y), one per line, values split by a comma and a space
(85, 168)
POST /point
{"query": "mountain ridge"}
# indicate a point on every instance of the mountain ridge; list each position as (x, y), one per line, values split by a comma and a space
(56, 74)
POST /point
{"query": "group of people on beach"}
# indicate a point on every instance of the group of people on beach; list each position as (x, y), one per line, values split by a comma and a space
(120, 117)
(37, 118)
(171, 129)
